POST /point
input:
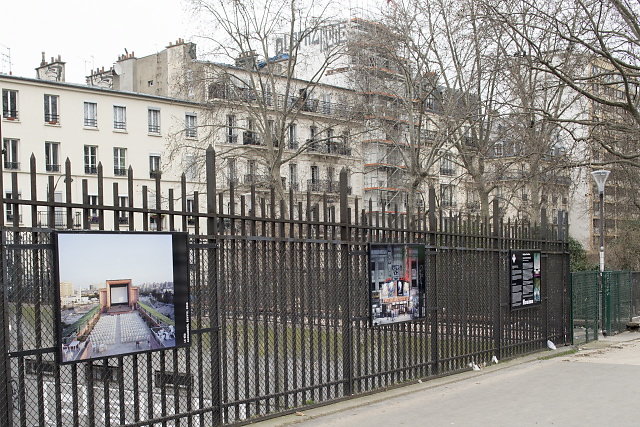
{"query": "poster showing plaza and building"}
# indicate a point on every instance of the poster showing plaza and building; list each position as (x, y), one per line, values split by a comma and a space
(525, 275)
(120, 293)
(397, 283)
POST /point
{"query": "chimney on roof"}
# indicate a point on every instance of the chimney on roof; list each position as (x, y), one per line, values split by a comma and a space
(101, 78)
(52, 71)
(247, 60)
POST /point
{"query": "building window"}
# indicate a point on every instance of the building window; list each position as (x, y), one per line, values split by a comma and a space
(326, 103)
(446, 165)
(91, 159)
(313, 131)
(119, 117)
(10, 104)
(233, 175)
(93, 212)
(154, 120)
(10, 149)
(123, 216)
(52, 156)
(447, 192)
(9, 209)
(154, 165)
(51, 109)
(314, 183)
(293, 177)
(191, 127)
(251, 166)
(232, 138)
(191, 220)
(293, 138)
(498, 149)
(119, 161)
(190, 167)
(90, 114)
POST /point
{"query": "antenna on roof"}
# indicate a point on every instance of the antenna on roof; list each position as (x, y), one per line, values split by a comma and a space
(5, 59)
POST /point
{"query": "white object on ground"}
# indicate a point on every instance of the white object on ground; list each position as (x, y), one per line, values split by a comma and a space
(494, 360)
(551, 345)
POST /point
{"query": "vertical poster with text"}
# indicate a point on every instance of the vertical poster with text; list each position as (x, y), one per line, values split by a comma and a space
(397, 283)
(524, 289)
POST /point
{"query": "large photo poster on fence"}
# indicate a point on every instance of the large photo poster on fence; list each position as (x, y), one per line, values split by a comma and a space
(524, 290)
(397, 283)
(120, 293)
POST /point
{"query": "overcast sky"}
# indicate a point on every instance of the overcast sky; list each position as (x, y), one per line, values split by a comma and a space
(93, 258)
(90, 34)
(87, 34)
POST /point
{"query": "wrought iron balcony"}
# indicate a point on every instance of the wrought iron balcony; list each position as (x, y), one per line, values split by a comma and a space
(154, 128)
(119, 125)
(52, 119)
(91, 122)
(59, 219)
(90, 169)
(52, 168)
(12, 165)
(10, 114)
(325, 186)
(120, 171)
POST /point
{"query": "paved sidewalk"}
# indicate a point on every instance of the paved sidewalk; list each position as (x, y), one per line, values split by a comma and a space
(598, 385)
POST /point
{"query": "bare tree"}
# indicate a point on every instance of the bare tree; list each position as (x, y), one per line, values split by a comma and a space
(270, 81)
(603, 37)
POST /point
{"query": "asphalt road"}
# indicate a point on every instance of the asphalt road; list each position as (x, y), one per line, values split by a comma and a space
(597, 387)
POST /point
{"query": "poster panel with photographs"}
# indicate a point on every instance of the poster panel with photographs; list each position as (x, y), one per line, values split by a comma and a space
(524, 289)
(397, 283)
(120, 293)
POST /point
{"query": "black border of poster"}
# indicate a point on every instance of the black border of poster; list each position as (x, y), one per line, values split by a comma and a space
(181, 286)
(517, 282)
(422, 282)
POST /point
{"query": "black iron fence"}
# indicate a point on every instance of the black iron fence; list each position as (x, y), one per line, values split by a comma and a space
(279, 305)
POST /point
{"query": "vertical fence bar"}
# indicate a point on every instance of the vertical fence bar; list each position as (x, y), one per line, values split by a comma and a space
(100, 196)
(212, 285)
(346, 303)
(130, 198)
(497, 315)
(432, 266)
(6, 391)
(67, 182)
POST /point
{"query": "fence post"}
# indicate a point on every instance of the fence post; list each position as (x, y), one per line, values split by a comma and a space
(6, 403)
(347, 327)
(212, 285)
(496, 234)
(545, 236)
(432, 265)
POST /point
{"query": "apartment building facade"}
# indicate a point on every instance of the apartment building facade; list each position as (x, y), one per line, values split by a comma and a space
(92, 127)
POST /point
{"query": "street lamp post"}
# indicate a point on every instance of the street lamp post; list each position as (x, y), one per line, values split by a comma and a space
(600, 177)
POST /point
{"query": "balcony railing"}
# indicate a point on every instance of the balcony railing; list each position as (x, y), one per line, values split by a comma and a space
(12, 165)
(329, 147)
(51, 118)
(232, 139)
(302, 103)
(10, 114)
(90, 169)
(52, 168)
(154, 128)
(325, 186)
(447, 171)
(119, 125)
(261, 180)
(59, 219)
(191, 132)
(120, 171)
(91, 122)
(155, 174)
(250, 138)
